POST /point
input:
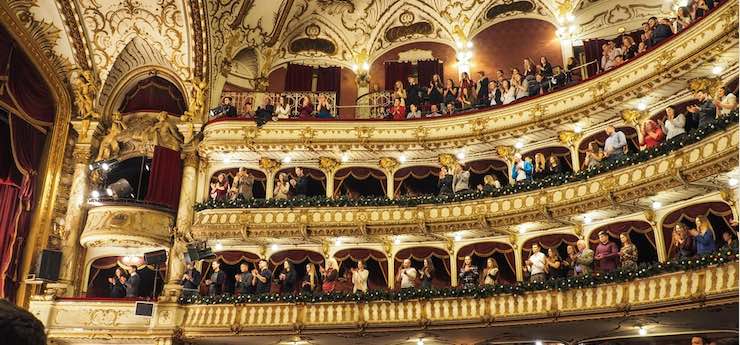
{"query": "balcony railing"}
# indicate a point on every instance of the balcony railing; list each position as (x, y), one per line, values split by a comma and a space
(292, 99)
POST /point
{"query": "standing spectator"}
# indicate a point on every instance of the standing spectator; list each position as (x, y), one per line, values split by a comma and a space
(682, 242)
(661, 31)
(536, 265)
(133, 282)
(555, 267)
(507, 91)
(216, 281)
(359, 276)
(262, 278)
(540, 166)
(607, 254)
(725, 101)
(300, 183)
(629, 48)
(406, 275)
(322, 109)
(583, 259)
(469, 276)
(559, 78)
(464, 99)
(683, 19)
(243, 185)
(545, 67)
(729, 241)
(606, 63)
(460, 179)
(570, 261)
(553, 167)
(117, 284)
(490, 273)
(434, 91)
(287, 279)
(652, 134)
(594, 156)
(529, 68)
(399, 92)
(520, 86)
(449, 96)
(467, 84)
(521, 170)
(412, 93)
(490, 183)
(220, 188)
(330, 274)
(311, 281)
(704, 112)
(570, 67)
(244, 280)
(482, 89)
(615, 144)
(703, 236)
(445, 182)
(282, 187)
(673, 125)
(426, 274)
(628, 253)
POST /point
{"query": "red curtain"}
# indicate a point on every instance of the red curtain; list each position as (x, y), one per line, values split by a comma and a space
(426, 69)
(397, 71)
(592, 49)
(295, 256)
(548, 241)
(485, 250)
(616, 229)
(329, 79)
(154, 94)
(298, 78)
(165, 178)
(233, 257)
(561, 152)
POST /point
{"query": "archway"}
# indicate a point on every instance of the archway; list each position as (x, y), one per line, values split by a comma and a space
(299, 258)
(494, 167)
(417, 180)
(153, 94)
(501, 252)
(633, 142)
(103, 268)
(260, 180)
(356, 182)
(718, 213)
(559, 242)
(561, 153)
(316, 180)
(640, 233)
(376, 262)
(231, 261)
(440, 259)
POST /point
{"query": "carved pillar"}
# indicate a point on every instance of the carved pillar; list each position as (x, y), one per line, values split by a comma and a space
(506, 153)
(270, 185)
(571, 140)
(391, 272)
(389, 166)
(73, 220)
(518, 262)
(453, 268)
(575, 158)
(175, 263)
(270, 166)
(660, 245)
(390, 185)
(329, 166)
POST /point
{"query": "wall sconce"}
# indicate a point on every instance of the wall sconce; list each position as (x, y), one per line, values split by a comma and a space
(464, 48)
(567, 30)
(361, 67)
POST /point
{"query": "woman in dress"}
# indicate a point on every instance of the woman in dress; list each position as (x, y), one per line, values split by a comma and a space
(554, 168)
(682, 242)
(427, 274)
(449, 96)
(628, 253)
(490, 183)
(330, 274)
(306, 109)
(434, 91)
(540, 166)
(445, 182)
(399, 92)
(490, 273)
(398, 111)
(520, 86)
(629, 47)
(468, 84)
(287, 279)
(282, 109)
(594, 155)
(282, 187)
(529, 68)
(311, 281)
(220, 188)
(555, 267)
(652, 135)
(545, 67)
(359, 277)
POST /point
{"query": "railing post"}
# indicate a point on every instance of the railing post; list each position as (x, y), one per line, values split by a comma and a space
(270, 184)
(659, 243)
(453, 268)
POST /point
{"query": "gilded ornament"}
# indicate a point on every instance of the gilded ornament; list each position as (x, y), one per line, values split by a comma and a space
(478, 126)
(600, 89)
(268, 164)
(81, 155)
(447, 160)
(307, 134)
(506, 152)
(364, 134)
(633, 117)
(328, 164)
(704, 84)
(388, 163)
(85, 89)
(109, 146)
(190, 159)
(197, 100)
(569, 138)
(664, 59)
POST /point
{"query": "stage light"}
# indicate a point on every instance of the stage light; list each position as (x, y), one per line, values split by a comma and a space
(109, 191)
(91, 167)
(657, 205)
(95, 194)
(287, 159)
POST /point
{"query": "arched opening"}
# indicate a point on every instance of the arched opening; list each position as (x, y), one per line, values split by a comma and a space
(231, 261)
(127, 179)
(104, 268)
(639, 232)
(718, 213)
(558, 242)
(258, 186)
(376, 263)
(633, 142)
(357, 182)
(440, 259)
(315, 182)
(244, 70)
(153, 94)
(431, 58)
(417, 180)
(494, 167)
(299, 258)
(559, 154)
(502, 253)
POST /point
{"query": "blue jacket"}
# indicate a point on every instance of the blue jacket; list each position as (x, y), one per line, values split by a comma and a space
(527, 170)
(705, 243)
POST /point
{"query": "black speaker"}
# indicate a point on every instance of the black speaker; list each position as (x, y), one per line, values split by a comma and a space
(155, 257)
(49, 263)
(144, 309)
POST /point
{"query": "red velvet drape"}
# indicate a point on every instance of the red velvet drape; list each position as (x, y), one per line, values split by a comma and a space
(426, 69)
(298, 77)
(165, 178)
(395, 71)
(154, 94)
(329, 79)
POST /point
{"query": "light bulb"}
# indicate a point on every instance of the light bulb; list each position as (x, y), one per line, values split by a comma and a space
(538, 342)
(365, 66)
(587, 220)
(105, 166)
(519, 144)
(274, 247)
(570, 17)
(354, 67)
(227, 160)
(732, 182)
(577, 129)
(397, 240)
(460, 155)
(338, 242)
(95, 194)
(402, 158)
(458, 44)
(717, 70)
(470, 44)
(109, 191)
(287, 159)
(458, 237)
(420, 342)
(90, 166)
(219, 246)
(345, 157)
(656, 205)
(642, 331)
(641, 106)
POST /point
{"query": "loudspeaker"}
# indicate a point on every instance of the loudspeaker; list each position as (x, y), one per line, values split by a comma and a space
(49, 263)
(155, 257)
(144, 309)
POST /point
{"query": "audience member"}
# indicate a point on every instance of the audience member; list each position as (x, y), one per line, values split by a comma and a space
(243, 184)
(553, 167)
(450, 109)
(190, 280)
(406, 275)
(322, 109)
(528, 68)
(629, 48)
(445, 182)
(19, 327)
(464, 99)
(538, 86)
(330, 273)
(521, 171)
(628, 253)
(299, 183)
(559, 78)
(652, 134)
(117, 284)
(583, 259)
(244, 280)
(264, 113)
(414, 113)
(306, 110)
(399, 92)
(682, 242)
(540, 166)
(311, 281)
(282, 109)
(460, 179)
(490, 183)
(594, 156)
(449, 95)
(673, 125)
(703, 236)
(569, 262)
(434, 111)
(520, 86)
(729, 241)
(217, 279)
(661, 31)
(287, 278)
(607, 254)
(545, 67)
(615, 145)
(282, 187)
(426, 274)
(248, 110)
(699, 340)
(262, 278)
(434, 92)
(725, 101)
(413, 93)
(220, 188)
(482, 89)
(468, 277)
(359, 277)
(133, 282)
(703, 112)
(536, 265)
(555, 268)
(490, 272)
(683, 19)
(508, 93)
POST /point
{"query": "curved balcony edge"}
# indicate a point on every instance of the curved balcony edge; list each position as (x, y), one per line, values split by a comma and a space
(127, 226)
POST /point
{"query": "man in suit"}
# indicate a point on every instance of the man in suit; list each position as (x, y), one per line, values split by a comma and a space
(483, 89)
(661, 31)
(584, 258)
(300, 183)
(190, 280)
(133, 282)
(412, 93)
(264, 112)
(244, 280)
(225, 109)
(703, 112)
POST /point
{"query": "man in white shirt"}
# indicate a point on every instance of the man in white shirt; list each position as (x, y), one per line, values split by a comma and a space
(536, 264)
(406, 275)
(615, 143)
(359, 277)
(725, 101)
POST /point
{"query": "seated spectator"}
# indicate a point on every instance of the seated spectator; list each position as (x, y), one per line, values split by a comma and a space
(520, 86)
(398, 111)
(496, 95)
(641, 48)
(661, 31)
(553, 167)
(490, 183)
(538, 86)
(646, 32)
(445, 182)
(570, 68)
(683, 19)
(545, 67)
(282, 109)
(700, 8)
(594, 156)
(521, 171)
(704, 112)
(629, 48)
(699, 340)
(248, 110)
(673, 125)
(615, 145)
(306, 109)
(449, 95)
(19, 327)
(464, 99)
(725, 101)
(323, 108)
(703, 236)
(433, 111)
(559, 78)
(652, 134)
(618, 60)
(729, 241)
(264, 113)
(450, 109)
(413, 112)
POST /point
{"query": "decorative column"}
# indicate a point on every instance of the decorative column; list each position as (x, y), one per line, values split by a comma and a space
(506, 153)
(571, 140)
(329, 166)
(634, 118)
(660, 246)
(270, 166)
(389, 166)
(391, 263)
(181, 232)
(518, 262)
(453, 268)
(73, 220)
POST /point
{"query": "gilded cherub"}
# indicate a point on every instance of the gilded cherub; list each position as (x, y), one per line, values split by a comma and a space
(109, 146)
(85, 91)
(197, 99)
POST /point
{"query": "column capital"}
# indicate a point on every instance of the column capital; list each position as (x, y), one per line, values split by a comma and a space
(81, 154)
(388, 164)
(506, 152)
(328, 165)
(269, 165)
(85, 130)
(569, 138)
(190, 159)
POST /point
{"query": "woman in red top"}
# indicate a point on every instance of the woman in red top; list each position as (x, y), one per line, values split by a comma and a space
(306, 110)
(329, 275)
(398, 111)
(652, 134)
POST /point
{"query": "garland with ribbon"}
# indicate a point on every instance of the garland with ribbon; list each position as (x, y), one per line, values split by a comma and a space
(723, 256)
(664, 148)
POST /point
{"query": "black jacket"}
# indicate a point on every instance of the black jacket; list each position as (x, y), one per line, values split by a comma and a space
(264, 114)
(301, 186)
(445, 185)
(660, 33)
(192, 284)
(261, 287)
(287, 285)
(217, 283)
(483, 89)
(117, 290)
(412, 95)
(245, 286)
(707, 112)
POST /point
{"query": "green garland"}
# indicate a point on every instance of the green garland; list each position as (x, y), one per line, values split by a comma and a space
(664, 148)
(723, 256)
